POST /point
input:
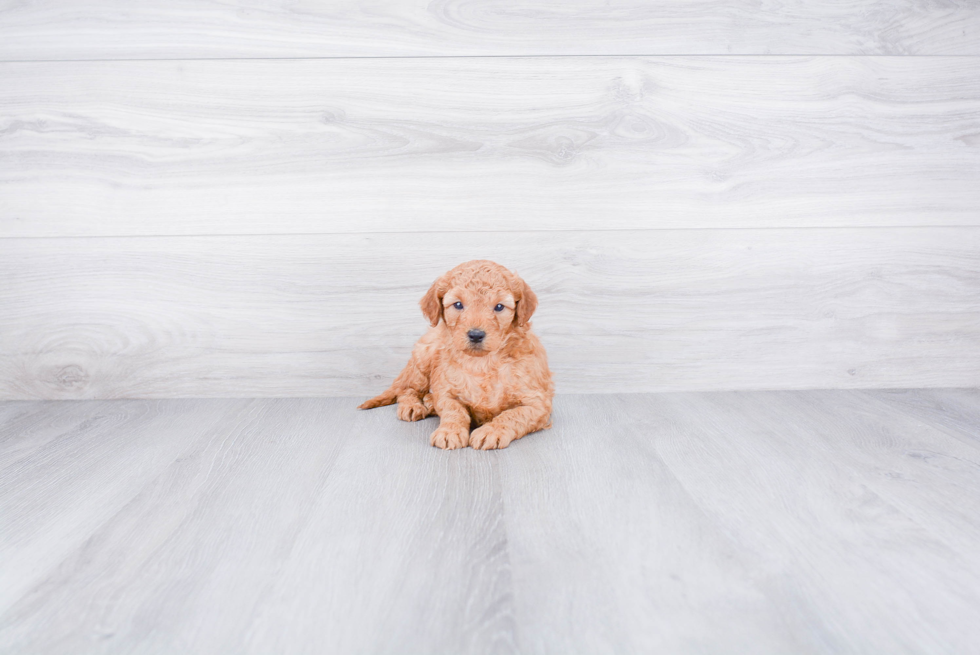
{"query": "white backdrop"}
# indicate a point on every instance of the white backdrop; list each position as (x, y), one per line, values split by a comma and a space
(202, 199)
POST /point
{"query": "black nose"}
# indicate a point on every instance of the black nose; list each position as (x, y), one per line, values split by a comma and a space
(476, 336)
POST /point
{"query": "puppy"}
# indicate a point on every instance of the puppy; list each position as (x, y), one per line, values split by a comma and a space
(479, 366)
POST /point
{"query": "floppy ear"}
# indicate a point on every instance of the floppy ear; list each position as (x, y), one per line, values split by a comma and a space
(527, 303)
(431, 302)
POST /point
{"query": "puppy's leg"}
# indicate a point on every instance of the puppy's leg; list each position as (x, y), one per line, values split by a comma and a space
(407, 389)
(454, 424)
(410, 408)
(509, 425)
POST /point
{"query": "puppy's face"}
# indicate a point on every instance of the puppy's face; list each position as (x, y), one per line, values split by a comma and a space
(478, 319)
(481, 303)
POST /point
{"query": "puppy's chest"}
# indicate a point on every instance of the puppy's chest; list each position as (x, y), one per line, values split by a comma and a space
(485, 390)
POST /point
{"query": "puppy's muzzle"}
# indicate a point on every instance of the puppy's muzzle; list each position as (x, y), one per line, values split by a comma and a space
(476, 336)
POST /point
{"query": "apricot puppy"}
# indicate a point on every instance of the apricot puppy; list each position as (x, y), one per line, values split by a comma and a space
(479, 366)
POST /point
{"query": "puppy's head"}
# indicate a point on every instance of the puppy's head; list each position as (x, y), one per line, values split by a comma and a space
(482, 303)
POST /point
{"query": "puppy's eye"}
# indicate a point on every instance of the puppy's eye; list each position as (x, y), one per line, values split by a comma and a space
(458, 305)
(498, 308)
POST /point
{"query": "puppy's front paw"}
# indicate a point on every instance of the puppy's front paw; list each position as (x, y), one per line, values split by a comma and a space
(450, 437)
(489, 436)
(411, 411)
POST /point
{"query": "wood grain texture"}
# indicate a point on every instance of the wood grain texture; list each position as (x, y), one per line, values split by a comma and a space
(620, 311)
(770, 460)
(114, 29)
(340, 146)
(919, 464)
(734, 523)
(406, 534)
(216, 499)
(763, 522)
(102, 464)
(955, 411)
(26, 427)
(610, 553)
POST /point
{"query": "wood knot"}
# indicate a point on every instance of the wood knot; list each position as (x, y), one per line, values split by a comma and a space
(72, 376)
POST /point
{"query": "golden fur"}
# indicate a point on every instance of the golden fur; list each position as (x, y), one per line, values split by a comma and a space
(501, 386)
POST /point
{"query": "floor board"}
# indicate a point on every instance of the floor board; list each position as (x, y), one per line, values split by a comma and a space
(650, 311)
(768, 522)
(155, 29)
(486, 144)
(955, 411)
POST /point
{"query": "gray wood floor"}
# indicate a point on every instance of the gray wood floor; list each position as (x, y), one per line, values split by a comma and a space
(761, 522)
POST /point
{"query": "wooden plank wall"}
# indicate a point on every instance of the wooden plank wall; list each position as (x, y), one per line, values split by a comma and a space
(248, 199)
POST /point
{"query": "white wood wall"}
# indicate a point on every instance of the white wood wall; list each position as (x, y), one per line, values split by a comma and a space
(223, 199)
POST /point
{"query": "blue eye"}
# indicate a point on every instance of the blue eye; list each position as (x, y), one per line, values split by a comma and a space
(458, 305)
(498, 308)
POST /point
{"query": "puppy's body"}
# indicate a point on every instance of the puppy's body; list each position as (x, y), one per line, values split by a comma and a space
(479, 364)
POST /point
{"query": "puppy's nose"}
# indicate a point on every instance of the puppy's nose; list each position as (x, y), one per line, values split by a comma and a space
(476, 336)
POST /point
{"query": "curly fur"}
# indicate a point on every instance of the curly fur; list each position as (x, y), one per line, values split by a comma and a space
(486, 394)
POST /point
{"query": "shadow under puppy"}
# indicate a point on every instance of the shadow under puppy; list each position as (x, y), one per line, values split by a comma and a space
(479, 366)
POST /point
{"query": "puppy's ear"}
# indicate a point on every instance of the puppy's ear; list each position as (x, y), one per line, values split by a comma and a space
(431, 302)
(526, 303)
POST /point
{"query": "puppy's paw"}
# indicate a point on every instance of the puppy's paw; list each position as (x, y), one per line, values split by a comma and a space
(489, 436)
(450, 437)
(411, 411)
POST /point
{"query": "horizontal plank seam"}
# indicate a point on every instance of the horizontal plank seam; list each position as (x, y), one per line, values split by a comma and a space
(555, 56)
(411, 232)
(558, 394)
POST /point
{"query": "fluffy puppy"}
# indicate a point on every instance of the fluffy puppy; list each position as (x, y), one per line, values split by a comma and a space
(479, 366)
